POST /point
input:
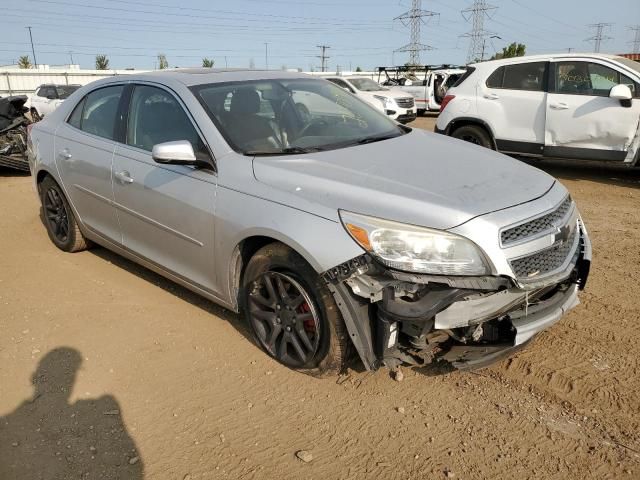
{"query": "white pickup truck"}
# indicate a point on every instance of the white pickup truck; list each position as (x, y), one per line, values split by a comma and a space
(428, 84)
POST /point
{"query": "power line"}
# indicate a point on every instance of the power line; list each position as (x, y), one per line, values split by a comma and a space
(477, 13)
(636, 39)
(323, 57)
(599, 36)
(414, 20)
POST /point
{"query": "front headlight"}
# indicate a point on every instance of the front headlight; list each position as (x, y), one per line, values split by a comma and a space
(386, 101)
(415, 249)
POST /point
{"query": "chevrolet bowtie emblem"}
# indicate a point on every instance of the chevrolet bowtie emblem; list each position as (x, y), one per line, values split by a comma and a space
(562, 234)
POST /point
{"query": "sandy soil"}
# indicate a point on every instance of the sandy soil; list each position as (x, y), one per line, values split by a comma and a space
(169, 387)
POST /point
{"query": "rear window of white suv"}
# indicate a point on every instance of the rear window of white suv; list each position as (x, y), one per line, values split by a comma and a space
(521, 76)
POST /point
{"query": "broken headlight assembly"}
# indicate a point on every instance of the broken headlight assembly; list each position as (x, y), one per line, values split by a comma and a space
(416, 249)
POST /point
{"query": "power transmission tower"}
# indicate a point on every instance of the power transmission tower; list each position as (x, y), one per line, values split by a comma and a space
(414, 20)
(476, 14)
(323, 57)
(599, 36)
(636, 39)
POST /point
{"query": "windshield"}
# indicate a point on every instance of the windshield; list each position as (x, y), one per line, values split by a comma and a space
(270, 117)
(366, 85)
(65, 90)
(632, 64)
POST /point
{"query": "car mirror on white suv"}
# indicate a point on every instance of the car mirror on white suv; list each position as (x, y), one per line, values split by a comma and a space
(622, 93)
(179, 152)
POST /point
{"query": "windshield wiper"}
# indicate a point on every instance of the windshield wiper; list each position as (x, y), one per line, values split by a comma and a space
(284, 151)
(366, 140)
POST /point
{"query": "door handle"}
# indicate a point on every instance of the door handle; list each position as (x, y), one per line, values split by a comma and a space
(559, 106)
(491, 96)
(124, 177)
(65, 154)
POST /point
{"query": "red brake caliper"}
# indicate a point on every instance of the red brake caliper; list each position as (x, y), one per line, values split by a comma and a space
(309, 325)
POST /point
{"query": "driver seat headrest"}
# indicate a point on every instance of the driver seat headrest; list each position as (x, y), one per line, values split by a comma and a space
(245, 102)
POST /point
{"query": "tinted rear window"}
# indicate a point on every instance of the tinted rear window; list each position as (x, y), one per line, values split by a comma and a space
(522, 76)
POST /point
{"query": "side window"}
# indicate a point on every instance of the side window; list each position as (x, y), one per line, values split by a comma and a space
(603, 79)
(339, 83)
(525, 76)
(635, 89)
(156, 117)
(75, 119)
(496, 78)
(584, 78)
(100, 111)
(47, 92)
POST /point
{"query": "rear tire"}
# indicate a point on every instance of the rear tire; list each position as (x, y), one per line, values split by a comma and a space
(58, 218)
(473, 134)
(292, 313)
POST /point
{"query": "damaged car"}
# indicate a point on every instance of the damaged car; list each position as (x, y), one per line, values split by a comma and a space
(573, 106)
(14, 122)
(330, 230)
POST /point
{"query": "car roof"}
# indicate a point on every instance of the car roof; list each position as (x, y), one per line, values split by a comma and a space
(201, 76)
(551, 56)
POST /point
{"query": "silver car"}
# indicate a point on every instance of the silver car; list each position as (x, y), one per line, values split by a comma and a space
(327, 225)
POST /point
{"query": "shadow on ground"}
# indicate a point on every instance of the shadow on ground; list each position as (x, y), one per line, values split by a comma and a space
(47, 437)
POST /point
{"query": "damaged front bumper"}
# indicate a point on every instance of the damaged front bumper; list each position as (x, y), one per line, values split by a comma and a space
(397, 318)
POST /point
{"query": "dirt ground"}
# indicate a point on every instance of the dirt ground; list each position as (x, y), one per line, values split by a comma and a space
(135, 377)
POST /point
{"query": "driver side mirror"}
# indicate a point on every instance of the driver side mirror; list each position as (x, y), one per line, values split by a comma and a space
(179, 152)
(622, 93)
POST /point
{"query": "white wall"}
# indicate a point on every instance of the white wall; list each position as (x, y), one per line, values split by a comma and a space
(24, 81)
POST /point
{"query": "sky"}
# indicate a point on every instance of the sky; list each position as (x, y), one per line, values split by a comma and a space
(360, 33)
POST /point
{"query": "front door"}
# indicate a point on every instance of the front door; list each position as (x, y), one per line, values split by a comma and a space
(84, 148)
(166, 212)
(582, 121)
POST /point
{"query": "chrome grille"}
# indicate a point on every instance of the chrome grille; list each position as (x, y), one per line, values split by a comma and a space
(537, 225)
(407, 102)
(541, 263)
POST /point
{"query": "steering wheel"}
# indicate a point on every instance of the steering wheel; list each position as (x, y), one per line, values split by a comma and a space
(318, 122)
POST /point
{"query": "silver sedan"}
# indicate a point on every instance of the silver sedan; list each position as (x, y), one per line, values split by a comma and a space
(327, 225)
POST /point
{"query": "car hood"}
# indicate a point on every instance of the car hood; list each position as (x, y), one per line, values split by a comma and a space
(418, 178)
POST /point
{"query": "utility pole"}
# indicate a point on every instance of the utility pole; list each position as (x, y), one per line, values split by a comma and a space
(266, 55)
(71, 56)
(323, 57)
(636, 39)
(599, 36)
(476, 14)
(570, 49)
(414, 20)
(226, 65)
(35, 62)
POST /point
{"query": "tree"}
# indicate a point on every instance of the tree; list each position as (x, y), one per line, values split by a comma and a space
(102, 62)
(358, 69)
(207, 63)
(162, 61)
(513, 50)
(24, 62)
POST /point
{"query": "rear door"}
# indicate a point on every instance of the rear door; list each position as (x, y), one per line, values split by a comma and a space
(513, 102)
(582, 121)
(84, 147)
(166, 212)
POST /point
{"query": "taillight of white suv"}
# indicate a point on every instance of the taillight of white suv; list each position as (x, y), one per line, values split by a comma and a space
(445, 102)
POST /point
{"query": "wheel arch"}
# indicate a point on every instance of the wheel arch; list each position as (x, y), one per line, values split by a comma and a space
(247, 248)
(466, 121)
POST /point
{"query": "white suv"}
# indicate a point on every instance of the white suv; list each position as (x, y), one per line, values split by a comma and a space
(49, 97)
(395, 103)
(581, 106)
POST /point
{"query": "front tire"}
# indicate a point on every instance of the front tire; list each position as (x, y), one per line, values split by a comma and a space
(58, 218)
(292, 313)
(473, 134)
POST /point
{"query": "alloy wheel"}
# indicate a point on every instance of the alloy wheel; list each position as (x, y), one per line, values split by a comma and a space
(56, 214)
(284, 318)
